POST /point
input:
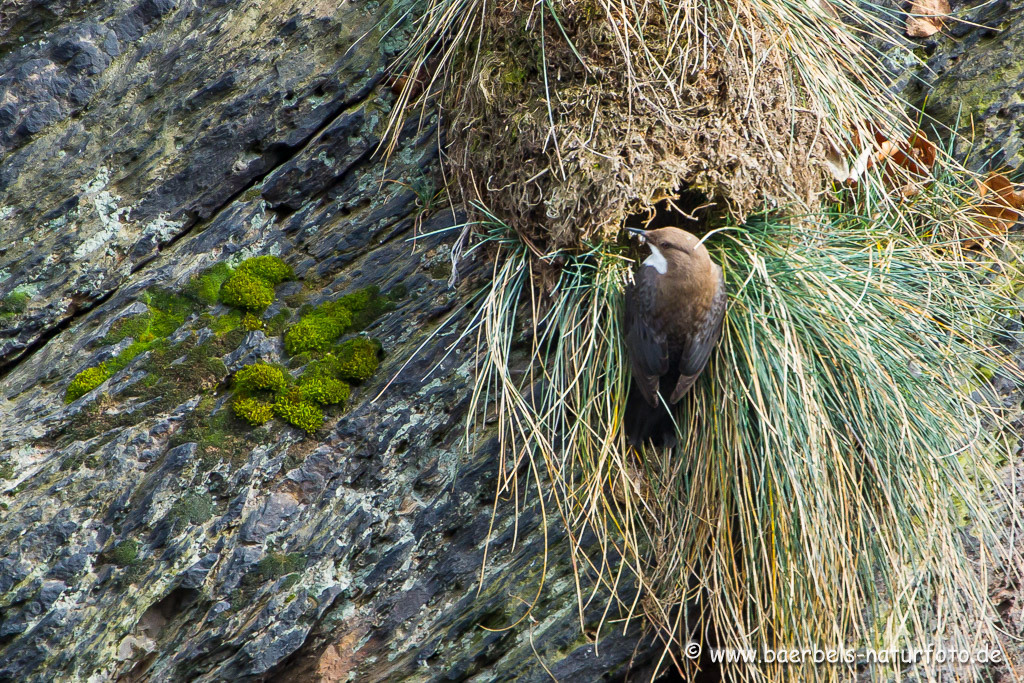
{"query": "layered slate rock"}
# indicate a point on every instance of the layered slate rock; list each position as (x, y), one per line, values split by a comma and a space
(144, 532)
(148, 536)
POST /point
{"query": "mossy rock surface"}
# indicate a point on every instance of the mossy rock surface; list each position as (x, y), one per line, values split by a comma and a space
(201, 133)
(974, 83)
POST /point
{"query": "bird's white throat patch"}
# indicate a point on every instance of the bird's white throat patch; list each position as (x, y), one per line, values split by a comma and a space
(656, 260)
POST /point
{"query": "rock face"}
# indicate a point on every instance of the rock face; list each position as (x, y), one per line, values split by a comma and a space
(973, 83)
(146, 533)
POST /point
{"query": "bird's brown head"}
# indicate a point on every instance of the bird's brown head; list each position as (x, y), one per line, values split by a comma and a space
(673, 251)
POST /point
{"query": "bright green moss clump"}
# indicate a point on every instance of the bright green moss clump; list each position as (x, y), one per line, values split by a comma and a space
(251, 322)
(324, 390)
(293, 408)
(251, 286)
(86, 381)
(244, 290)
(253, 410)
(321, 326)
(357, 359)
(269, 268)
(318, 329)
(260, 377)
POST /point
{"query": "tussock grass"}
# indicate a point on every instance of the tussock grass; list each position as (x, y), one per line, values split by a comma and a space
(831, 457)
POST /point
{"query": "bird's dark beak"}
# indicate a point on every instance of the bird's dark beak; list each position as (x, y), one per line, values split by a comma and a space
(642, 234)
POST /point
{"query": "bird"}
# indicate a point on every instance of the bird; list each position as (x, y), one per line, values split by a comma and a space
(673, 320)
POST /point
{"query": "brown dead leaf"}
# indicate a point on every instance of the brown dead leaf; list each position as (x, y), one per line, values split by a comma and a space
(905, 165)
(926, 17)
(922, 151)
(1000, 205)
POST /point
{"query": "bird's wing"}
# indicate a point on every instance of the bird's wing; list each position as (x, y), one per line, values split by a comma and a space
(698, 348)
(647, 347)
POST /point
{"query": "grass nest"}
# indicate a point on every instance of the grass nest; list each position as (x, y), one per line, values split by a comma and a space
(563, 118)
(840, 443)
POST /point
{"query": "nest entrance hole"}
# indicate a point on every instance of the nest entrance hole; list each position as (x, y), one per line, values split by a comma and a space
(688, 209)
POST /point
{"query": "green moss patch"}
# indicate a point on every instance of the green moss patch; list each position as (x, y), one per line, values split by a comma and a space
(260, 377)
(293, 407)
(357, 359)
(273, 566)
(324, 390)
(205, 287)
(222, 324)
(192, 508)
(86, 381)
(166, 312)
(246, 291)
(14, 303)
(268, 268)
(318, 329)
(321, 326)
(124, 553)
(252, 410)
(251, 286)
(251, 322)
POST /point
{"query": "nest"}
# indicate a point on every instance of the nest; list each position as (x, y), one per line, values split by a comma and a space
(563, 124)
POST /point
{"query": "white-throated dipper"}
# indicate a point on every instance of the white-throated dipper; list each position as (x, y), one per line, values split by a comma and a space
(673, 320)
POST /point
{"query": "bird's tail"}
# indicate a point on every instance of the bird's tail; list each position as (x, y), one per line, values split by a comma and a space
(644, 423)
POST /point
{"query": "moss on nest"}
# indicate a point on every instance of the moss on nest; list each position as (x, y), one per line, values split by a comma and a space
(580, 126)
